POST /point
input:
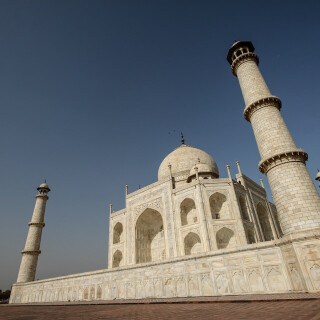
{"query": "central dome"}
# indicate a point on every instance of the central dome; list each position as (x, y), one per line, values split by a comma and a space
(183, 159)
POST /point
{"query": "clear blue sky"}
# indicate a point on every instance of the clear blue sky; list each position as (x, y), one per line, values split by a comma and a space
(92, 91)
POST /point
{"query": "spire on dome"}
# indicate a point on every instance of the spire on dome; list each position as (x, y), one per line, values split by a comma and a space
(182, 139)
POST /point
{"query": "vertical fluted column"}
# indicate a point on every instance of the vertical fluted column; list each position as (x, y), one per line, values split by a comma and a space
(31, 250)
(295, 195)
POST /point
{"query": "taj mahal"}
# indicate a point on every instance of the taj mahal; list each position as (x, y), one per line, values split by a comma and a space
(195, 233)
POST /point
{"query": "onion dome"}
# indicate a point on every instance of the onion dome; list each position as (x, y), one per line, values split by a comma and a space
(183, 159)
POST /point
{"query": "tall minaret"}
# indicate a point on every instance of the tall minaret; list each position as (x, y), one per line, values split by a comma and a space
(295, 195)
(31, 250)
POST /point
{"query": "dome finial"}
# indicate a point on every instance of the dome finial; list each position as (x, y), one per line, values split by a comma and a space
(182, 139)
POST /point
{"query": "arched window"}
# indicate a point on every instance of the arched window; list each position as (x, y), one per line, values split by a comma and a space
(251, 237)
(188, 212)
(264, 222)
(150, 243)
(117, 259)
(192, 244)
(225, 238)
(243, 208)
(117, 233)
(219, 206)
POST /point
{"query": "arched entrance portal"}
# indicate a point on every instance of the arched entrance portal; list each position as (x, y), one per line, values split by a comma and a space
(150, 243)
(264, 222)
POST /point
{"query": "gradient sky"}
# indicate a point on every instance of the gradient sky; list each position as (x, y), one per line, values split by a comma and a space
(95, 93)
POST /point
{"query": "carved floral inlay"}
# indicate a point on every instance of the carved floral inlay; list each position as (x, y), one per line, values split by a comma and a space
(154, 204)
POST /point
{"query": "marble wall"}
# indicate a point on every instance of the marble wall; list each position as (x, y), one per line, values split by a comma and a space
(255, 268)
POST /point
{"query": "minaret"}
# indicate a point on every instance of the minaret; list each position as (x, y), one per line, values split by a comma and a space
(295, 195)
(31, 250)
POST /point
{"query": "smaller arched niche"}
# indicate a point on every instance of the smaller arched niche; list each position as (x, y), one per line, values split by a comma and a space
(225, 238)
(192, 244)
(117, 233)
(250, 236)
(243, 208)
(264, 222)
(188, 212)
(219, 206)
(117, 259)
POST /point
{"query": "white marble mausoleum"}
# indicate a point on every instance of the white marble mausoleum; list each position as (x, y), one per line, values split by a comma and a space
(194, 233)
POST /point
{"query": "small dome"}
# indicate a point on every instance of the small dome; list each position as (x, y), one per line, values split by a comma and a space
(202, 168)
(183, 159)
(318, 176)
(43, 186)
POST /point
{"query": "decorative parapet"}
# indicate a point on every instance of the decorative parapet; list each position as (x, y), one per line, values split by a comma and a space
(271, 101)
(31, 252)
(298, 155)
(241, 59)
(38, 224)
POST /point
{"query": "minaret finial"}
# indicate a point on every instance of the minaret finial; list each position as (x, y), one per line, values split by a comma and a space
(31, 250)
(182, 138)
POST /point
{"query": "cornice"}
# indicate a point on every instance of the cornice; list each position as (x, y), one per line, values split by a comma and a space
(42, 196)
(38, 224)
(31, 252)
(298, 155)
(271, 101)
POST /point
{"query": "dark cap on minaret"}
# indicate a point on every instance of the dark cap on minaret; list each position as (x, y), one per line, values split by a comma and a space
(238, 44)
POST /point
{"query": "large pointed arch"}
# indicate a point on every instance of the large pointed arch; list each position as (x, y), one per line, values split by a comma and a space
(150, 242)
(264, 222)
